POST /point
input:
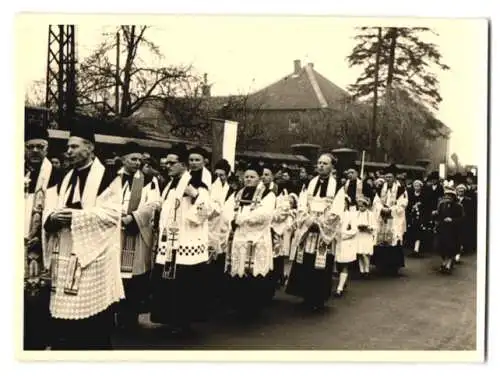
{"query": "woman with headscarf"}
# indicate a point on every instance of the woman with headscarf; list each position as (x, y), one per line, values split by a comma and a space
(449, 219)
(249, 258)
(416, 214)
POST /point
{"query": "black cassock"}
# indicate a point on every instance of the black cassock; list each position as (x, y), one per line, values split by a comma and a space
(249, 294)
(184, 299)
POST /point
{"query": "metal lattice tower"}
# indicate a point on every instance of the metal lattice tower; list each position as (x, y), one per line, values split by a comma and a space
(61, 81)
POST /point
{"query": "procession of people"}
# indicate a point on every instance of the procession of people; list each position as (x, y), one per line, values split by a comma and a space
(105, 242)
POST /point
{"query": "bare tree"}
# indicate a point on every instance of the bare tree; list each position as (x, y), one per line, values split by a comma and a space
(138, 82)
(251, 117)
(35, 94)
(185, 107)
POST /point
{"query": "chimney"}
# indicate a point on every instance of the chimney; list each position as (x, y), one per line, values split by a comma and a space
(205, 87)
(296, 67)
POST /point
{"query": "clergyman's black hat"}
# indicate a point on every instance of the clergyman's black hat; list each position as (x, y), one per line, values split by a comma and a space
(255, 167)
(223, 165)
(130, 148)
(84, 131)
(181, 152)
(35, 132)
(391, 169)
(199, 150)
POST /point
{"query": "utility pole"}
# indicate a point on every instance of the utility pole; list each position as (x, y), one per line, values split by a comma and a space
(117, 77)
(373, 138)
(60, 94)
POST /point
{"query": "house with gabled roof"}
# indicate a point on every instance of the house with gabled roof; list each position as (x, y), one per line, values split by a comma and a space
(300, 108)
(295, 109)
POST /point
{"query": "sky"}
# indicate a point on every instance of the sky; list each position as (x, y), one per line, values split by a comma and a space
(246, 53)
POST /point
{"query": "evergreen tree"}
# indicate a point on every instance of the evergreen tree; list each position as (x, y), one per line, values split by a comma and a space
(405, 60)
(405, 83)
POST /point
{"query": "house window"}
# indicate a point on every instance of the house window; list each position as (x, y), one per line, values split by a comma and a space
(293, 124)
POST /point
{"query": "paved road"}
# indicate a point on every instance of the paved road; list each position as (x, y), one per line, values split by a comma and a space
(420, 310)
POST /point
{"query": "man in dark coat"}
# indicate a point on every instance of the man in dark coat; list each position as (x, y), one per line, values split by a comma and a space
(467, 240)
(471, 192)
(417, 219)
(434, 191)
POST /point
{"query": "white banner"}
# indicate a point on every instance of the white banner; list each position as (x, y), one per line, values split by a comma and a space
(229, 142)
(442, 171)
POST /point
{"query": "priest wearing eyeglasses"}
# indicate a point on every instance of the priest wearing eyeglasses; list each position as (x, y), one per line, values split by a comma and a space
(39, 177)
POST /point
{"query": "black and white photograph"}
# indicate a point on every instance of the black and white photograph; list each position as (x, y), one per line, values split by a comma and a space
(252, 182)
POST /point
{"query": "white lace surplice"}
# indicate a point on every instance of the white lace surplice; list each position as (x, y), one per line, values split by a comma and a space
(254, 226)
(94, 238)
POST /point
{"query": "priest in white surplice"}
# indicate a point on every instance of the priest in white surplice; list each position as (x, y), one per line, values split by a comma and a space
(318, 233)
(180, 271)
(389, 207)
(218, 227)
(249, 258)
(84, 249)
(355, 188)
(140, 201)
(197, 168)
(39, 177)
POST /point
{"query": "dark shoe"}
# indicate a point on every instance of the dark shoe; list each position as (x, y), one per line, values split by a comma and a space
(338, 294)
